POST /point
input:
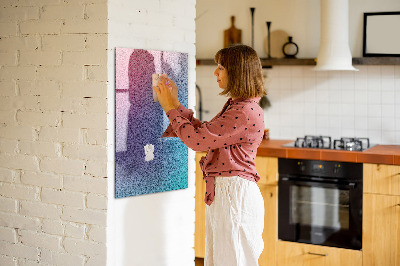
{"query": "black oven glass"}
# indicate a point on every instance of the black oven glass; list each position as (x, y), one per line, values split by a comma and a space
(320, 205)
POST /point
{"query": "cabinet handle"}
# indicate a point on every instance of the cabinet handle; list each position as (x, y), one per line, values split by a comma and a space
(398, 204)
(318, 254)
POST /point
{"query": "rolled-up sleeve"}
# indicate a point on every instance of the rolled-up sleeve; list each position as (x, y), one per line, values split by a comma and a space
(225, 130)
(188, 114)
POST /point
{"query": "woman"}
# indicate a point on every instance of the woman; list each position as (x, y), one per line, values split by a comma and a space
(235, 207)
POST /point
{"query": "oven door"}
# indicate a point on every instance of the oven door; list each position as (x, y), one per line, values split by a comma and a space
(320, 212)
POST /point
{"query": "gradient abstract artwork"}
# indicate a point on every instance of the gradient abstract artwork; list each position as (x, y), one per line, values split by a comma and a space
(144, 162)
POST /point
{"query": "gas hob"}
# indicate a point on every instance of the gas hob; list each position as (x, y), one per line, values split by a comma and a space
(325, 142)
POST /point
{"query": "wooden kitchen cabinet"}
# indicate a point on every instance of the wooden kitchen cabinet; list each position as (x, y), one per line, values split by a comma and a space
(381, 179)
(298, 254)
(200, 207)
(381, 215)
(381, 230)
(270, 233)
(267, 168)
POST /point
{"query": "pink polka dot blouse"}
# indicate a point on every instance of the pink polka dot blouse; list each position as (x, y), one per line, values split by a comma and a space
(231, 139)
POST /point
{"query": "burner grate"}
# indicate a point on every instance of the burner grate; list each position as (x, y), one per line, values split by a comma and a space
(351, 144)
(320, 142)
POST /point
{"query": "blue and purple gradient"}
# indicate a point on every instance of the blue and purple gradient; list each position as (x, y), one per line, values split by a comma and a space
(140, 121)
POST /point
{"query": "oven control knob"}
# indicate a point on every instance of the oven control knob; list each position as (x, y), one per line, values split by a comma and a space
(302, 167)
(336, 169)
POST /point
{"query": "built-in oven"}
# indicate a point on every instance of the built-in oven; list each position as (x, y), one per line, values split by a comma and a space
(320, 202)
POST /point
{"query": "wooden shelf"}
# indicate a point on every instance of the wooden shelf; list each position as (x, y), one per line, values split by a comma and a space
(376, 61)
(312, 61)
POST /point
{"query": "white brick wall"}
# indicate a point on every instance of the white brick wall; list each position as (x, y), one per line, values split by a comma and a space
(53, 107)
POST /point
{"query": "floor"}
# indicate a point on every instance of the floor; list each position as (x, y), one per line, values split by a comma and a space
(199, 262)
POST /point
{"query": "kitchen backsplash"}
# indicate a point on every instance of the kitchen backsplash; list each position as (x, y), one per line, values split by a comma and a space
(338, 104)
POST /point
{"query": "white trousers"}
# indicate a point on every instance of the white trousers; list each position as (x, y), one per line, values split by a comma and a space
(234, 223)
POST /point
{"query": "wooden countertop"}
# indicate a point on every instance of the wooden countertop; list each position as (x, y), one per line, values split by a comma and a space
(379, 154)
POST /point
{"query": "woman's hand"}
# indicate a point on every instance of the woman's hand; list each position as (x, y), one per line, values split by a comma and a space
(174, 89)
(164, 94)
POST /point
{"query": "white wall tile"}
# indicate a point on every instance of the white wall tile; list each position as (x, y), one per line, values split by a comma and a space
(361, 123)
(328, 103)
(397, 72)
(388, 84)
(374, 83)
(388, 124)
(334, 109)
(310, 109)
(388, 110)
(374, 97)
(387, 72)
(322, 109)
(348, 95)
(360, 97)
(322, 121)
(375, 136)
(348, 122)
(347, 109)
(397, 122)
(374, 123)
(389, 136)
(335, 95)
(374, 110)
(361, 110)
(322, 95)
(388, 97)
(348, 132)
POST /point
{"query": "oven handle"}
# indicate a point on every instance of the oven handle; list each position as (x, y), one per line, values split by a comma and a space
(297, 181)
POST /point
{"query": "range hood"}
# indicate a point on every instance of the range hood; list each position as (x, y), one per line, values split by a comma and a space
(334, 51)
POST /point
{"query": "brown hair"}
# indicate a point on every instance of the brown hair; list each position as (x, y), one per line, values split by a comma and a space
(245, 78)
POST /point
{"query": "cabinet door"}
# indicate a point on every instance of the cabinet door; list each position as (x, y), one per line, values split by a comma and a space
(200, 207)
(267, 168)
(381, 230)
(297, 254)
(270, 233)
(381, 179)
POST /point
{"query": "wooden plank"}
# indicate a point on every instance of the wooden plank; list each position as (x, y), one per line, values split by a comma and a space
(376, 61)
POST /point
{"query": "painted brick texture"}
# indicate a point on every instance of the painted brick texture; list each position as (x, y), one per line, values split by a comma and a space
(53, 153)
